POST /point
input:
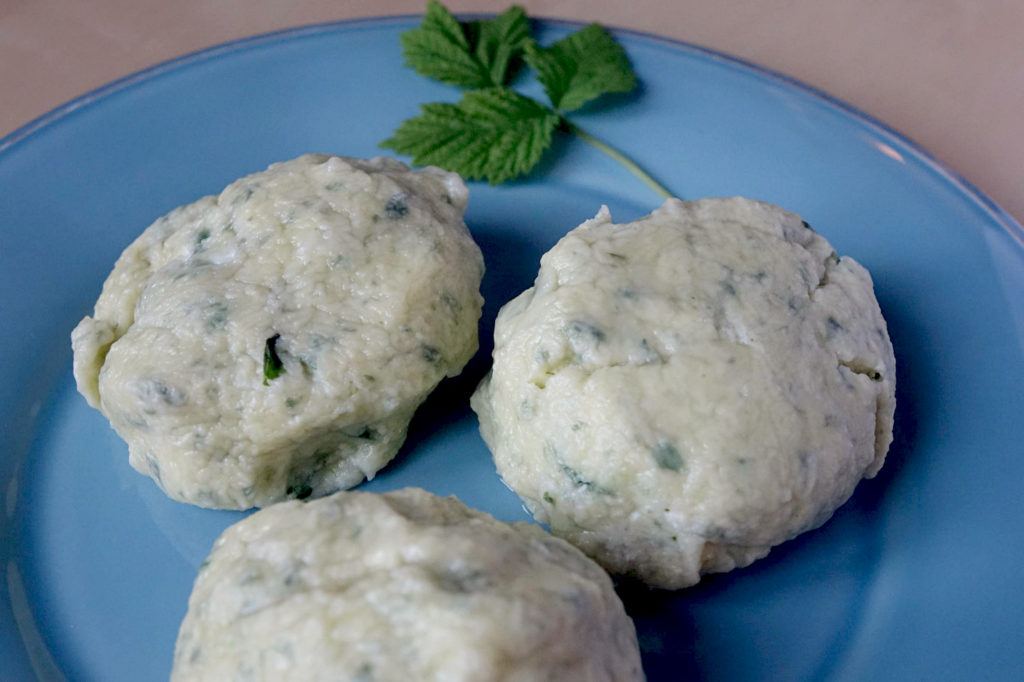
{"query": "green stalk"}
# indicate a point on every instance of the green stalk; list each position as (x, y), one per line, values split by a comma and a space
(630, 165)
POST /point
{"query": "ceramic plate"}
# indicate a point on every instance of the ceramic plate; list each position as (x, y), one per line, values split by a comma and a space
(915, 578)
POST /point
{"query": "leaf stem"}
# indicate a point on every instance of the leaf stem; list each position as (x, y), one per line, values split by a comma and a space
(630, 165)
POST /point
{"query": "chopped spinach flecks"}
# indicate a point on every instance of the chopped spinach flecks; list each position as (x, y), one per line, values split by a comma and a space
(451, 302)
(649, 355)
(550, 499)
(580, 482)
(396, 208)
(578, 329)
(430, 354)
(272, 365)
(154, 393)
(462, 580)
(804, 458)
(575, 477)
(202, 236)
(667, 456)
(807, 225)
(317, 341)
(369, 434)
(216, 316)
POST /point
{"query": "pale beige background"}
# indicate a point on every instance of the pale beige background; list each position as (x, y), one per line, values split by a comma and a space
(947, 73)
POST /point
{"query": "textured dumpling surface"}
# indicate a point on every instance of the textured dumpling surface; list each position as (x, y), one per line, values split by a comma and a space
(397, 587)
(678, 394)
(274, 341)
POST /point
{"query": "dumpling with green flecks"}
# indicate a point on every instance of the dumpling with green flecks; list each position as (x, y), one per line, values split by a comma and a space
(273, 341)
(400, 587)
(678, 394)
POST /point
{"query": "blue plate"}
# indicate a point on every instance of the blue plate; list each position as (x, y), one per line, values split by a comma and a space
(915, 578)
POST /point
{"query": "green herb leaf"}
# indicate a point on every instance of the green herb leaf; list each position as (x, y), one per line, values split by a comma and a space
(581, 67)
(499, 43)
(272, 365)
(494, 133)
(667, 456)
(477, 54)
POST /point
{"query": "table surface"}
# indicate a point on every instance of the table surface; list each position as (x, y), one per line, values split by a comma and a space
(949, 74)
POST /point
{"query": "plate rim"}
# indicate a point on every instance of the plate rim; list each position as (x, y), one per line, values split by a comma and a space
(964, 187)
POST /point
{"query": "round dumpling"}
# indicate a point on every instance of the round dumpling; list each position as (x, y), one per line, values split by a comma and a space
(398, 587)
(678, 394)
(273, 341)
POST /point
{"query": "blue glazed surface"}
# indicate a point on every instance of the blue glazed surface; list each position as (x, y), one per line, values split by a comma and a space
(915, 578)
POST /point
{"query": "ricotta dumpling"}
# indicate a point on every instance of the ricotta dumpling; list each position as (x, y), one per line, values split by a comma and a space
(398, 587)
(678, 394)
(273, 341)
